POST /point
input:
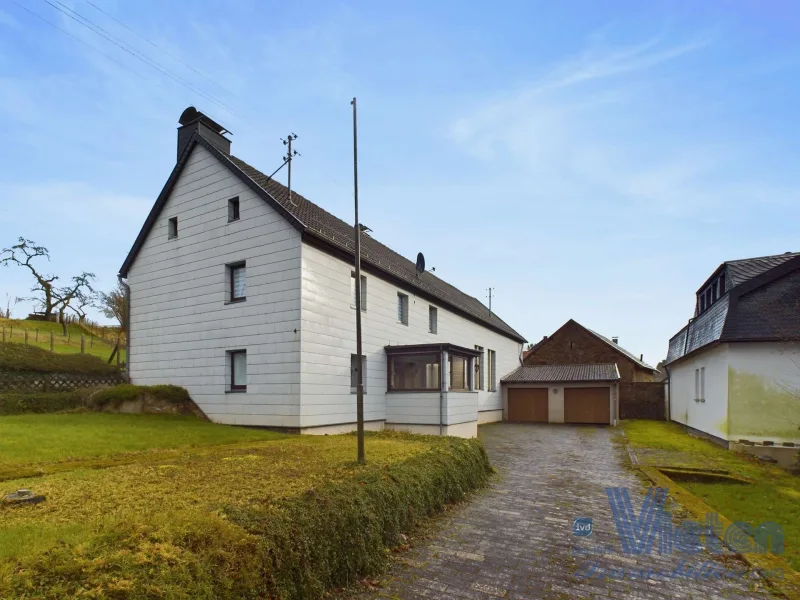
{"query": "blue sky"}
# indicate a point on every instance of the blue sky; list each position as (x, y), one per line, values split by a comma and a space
(588, 160)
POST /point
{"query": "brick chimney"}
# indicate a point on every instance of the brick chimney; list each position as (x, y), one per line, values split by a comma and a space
(192, 120)
(615, 339)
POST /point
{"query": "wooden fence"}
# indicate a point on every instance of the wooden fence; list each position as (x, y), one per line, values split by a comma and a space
(31, 381)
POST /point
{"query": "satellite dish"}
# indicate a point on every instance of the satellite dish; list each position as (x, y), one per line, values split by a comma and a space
(420, 263)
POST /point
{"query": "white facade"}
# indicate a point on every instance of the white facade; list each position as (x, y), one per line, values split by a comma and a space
(747, 391)
(297, 323)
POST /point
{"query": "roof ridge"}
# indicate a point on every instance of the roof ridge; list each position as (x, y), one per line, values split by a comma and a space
(735, 260)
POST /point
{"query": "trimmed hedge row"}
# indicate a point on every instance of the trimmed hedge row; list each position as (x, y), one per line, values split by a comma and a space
(113, 397)
(295, 548)
(20, 357)
(42, 402)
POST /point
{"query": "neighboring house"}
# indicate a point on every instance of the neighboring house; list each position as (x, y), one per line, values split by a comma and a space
(572, 350)
(734, 369)
(245, 297)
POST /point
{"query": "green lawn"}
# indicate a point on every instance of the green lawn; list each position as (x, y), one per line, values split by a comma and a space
(774, 494)
(33, 439)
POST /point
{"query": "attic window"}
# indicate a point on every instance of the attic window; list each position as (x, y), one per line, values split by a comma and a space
(233, 209)
(172, 228)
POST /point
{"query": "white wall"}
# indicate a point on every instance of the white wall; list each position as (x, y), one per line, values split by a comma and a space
(328, 340)
(710, 416)
(180, 325)
(764, 392)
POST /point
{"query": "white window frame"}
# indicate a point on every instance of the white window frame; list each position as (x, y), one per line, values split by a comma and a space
(491, 364)
(402, 308)
(478, 366)
(353, 291)
(433, 320)
(229, 282)
(232, 384)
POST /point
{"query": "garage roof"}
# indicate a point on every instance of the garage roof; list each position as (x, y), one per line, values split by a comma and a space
(553, 373)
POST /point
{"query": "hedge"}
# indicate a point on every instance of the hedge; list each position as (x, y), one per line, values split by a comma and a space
(20, 357)
(41, 402)
(115, 396)
(294, 548)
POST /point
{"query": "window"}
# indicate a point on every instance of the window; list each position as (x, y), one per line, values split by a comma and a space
(415, 372)
(402, 308)
(233, 209)
(722, 284)
(172, 228)
(237, 282)
(478, 365)
(702, 302)
(353, 291)
(491, 357)
(238, 370)
(700, 384)
(459, 373)
(354, 373)
(433, 325)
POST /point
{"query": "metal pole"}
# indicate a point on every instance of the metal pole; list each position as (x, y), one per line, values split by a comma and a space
(289, 177)
(360, 380)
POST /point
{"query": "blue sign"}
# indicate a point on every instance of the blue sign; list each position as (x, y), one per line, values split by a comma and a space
(582, 526)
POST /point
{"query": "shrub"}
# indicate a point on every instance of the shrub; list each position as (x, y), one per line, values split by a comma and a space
(19, 357)
(115, 396)
(292, 548)
(41, 402)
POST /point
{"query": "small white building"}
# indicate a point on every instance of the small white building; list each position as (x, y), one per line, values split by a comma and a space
(246, 298)
(734, 369)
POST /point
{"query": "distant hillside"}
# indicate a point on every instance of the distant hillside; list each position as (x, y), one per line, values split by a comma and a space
(38, 335)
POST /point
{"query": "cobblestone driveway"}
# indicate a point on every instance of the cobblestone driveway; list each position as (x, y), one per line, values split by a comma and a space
(515, 540)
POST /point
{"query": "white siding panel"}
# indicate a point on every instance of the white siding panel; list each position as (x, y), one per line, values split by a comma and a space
(180, 324)
(328, 340)
(710, 416)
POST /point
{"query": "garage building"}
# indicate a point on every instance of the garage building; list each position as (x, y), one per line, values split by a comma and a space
(581, 394)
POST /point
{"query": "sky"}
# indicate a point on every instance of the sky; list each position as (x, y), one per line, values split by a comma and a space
(586, 160)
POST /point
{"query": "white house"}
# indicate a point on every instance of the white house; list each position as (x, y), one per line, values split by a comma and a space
(734, 369)
(245, 297)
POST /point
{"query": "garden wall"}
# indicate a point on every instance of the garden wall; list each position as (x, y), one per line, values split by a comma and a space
(642, 400)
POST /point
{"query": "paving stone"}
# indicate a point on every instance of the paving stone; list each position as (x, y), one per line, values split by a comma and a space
(515, 540)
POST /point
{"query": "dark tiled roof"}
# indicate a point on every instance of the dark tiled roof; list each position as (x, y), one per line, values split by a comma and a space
(763, 304)
(333, 230)
(554, 373)
(619, 348)
(745, 269)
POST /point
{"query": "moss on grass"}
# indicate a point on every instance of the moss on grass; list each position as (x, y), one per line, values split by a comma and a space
(41, 402)
(281, 520)
(115, 396)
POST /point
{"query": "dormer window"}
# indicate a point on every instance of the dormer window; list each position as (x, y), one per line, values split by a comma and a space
(707, 297)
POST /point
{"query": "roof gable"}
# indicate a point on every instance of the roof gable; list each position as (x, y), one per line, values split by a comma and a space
(593, 334)
(313, 221)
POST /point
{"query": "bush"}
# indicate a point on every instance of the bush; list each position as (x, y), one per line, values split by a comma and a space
(41, 402)
(19, 357)
(115, 396)
(293, 548)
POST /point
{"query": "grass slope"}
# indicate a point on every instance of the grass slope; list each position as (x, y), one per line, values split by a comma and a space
(19, 357)
(34, 439)
(773, 496)
(15, 329)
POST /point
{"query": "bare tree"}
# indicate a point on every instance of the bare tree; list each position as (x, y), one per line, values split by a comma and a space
(64, 296)
(24, 254)
(115, 305)
(83, 299)
(10, 304)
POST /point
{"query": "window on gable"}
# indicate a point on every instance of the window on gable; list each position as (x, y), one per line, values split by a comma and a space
(354, 372)
(237, 361)
(172, 228)
(233, 209)
(433, 317)
(402, 308)
(353, 291)
(236, 275)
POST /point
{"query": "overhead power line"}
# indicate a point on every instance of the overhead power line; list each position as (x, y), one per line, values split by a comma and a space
(81, 20)
(167, 52)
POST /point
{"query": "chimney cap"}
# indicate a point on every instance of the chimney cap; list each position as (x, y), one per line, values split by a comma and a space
(615, 339)
(191, 114)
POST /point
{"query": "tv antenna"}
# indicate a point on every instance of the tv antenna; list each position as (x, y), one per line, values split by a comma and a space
(290, 154)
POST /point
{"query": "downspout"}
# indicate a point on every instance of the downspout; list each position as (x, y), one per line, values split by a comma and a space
(442, 383)
(124, 284)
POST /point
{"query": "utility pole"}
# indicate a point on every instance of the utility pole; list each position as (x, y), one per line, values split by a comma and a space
(490, 300)
(289, 156)
(360, 360)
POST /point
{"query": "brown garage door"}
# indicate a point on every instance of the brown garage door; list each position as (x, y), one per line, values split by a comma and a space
(587, 405)
(527, 405)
